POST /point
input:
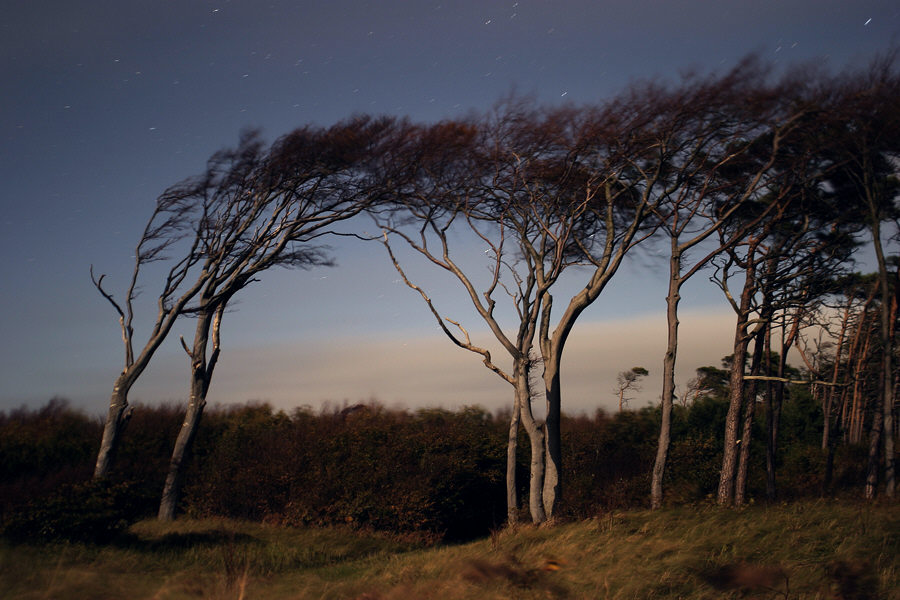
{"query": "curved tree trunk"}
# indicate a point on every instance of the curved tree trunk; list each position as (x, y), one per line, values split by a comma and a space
(116, 419)
(201, 375)
(175, 476)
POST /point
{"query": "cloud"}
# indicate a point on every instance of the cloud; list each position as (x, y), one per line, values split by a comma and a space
(429, 370)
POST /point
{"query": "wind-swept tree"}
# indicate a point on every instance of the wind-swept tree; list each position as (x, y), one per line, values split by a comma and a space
(714, 124)
(863, 135)
(629, 381)
(781, 260)
(168, 231)
(256, 210)
(543, 190)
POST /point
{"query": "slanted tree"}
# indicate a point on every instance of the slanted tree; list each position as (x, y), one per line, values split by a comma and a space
(717, 122)
(863, 135)
(168, 231)
(629, 381)
(260, 209)
(542, 190)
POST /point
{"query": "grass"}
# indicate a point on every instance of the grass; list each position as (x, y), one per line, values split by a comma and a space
(824, 550)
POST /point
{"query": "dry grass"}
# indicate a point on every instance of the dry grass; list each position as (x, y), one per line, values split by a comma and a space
(822, 550)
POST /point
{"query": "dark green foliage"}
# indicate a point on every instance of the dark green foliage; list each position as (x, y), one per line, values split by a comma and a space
(43, 449)
(51, 437)
(693, 470)
(434, 472)
(96, 512)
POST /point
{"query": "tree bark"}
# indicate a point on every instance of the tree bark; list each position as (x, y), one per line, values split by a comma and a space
(552, 486)
(535, 431)
(512, 500)
(117, 417)
(668, 391)
(725, 494)
(175, 475)
(740, 487)
(201, 375)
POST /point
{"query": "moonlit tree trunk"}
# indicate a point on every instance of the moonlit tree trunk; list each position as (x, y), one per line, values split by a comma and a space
(119, 411)
(201, 375)
(725, 493)
(535, 431)
(175, 475)
(512, 499)
(668, 391)
(552, 489)
(740, 488)
(116, 419)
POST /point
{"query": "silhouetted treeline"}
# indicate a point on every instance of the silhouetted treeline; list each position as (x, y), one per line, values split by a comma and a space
(429, 471)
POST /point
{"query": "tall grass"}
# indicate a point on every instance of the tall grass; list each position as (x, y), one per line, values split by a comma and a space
(825, 550)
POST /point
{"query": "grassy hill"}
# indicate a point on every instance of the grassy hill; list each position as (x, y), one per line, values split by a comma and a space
(803, 550)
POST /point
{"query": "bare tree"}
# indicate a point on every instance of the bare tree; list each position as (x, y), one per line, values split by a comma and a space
(542, 190)
(264, 209)
(716, 123)
(168, 230)
(863, 134)
(441, 168)
(628, 381)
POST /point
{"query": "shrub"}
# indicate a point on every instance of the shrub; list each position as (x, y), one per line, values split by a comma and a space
(94, 512)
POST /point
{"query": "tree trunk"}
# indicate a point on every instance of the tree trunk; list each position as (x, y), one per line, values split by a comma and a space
(552, 489)
(668, 390)
(857, 419)
(175, 476)
(740, 491)
(201, 375)
(725, 493)
(535, 431)
(874, 443)
(117, 417)
(887, 351)
(732, 419)
(512, 501)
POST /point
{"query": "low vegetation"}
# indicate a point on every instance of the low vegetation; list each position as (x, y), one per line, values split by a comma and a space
(810, 549)
(432, 473)
(365, 502)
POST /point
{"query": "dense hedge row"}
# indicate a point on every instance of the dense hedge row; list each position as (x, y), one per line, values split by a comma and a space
(429, 471)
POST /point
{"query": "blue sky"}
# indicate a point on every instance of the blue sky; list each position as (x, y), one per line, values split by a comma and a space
(106, 103)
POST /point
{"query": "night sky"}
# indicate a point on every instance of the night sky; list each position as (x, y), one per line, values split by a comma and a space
(106, 103)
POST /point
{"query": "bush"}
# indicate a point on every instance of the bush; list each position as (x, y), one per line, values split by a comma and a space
(93, 512)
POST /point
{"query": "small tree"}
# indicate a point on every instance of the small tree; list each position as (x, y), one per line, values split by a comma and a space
(629, 381)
